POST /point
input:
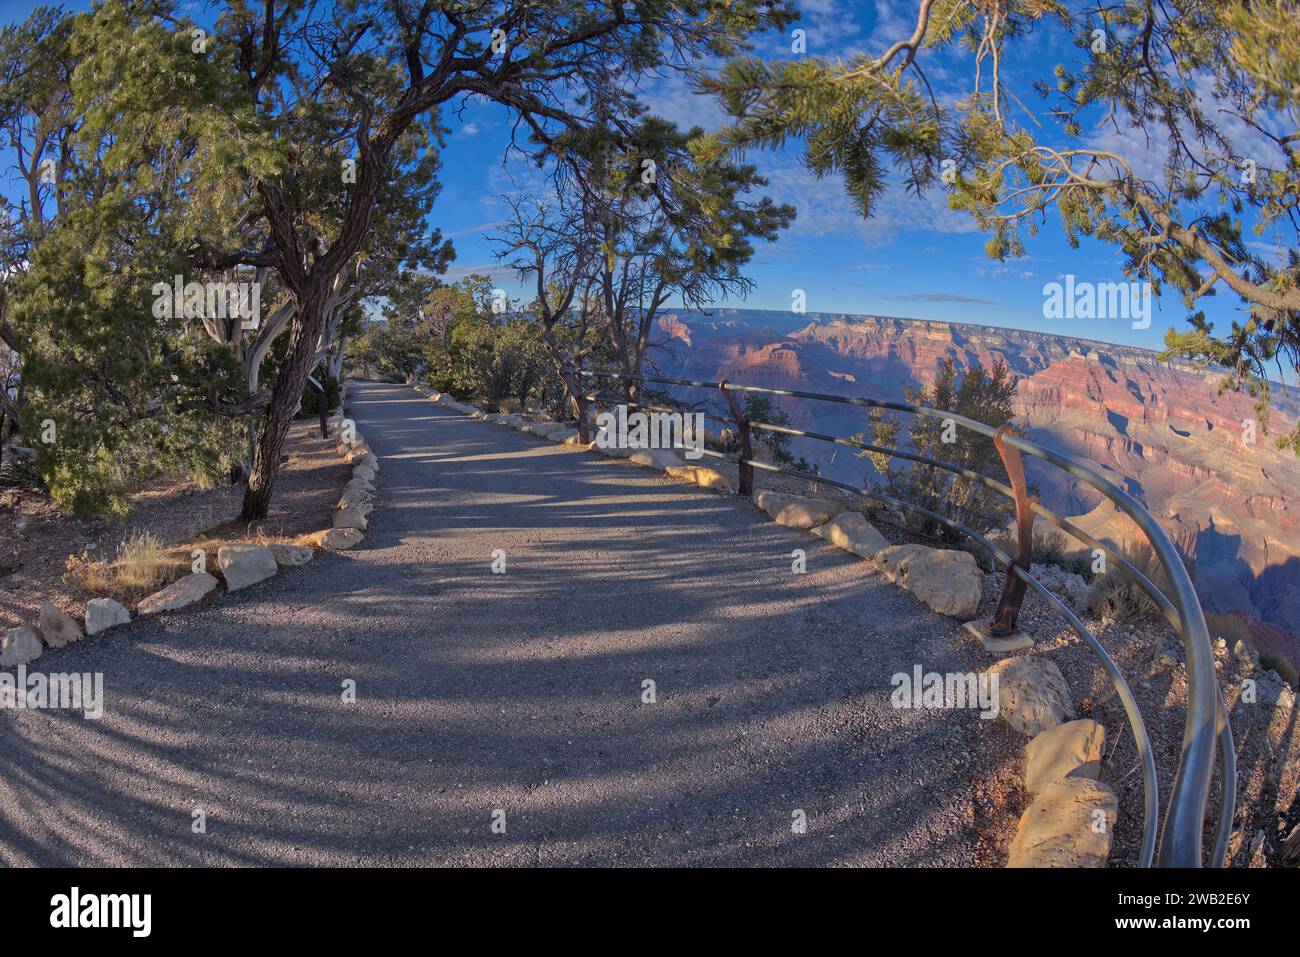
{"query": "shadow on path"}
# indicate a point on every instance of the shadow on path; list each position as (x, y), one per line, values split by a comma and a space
(520, 691)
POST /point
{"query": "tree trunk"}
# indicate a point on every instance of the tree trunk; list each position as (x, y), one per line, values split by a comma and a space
(285, 399)
(336, 360)
(573, 394)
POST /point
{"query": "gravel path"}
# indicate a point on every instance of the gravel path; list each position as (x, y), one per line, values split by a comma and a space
(520, 691)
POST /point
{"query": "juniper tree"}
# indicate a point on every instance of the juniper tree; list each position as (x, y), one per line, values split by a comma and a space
(983, 395)
(111, 393)
(250, 114)
(638, 220)
(36, 122)
(1209, 86)
(547, 244)
(377, 69)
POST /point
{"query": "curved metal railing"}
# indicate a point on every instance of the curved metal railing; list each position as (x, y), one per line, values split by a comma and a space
(1206, 729)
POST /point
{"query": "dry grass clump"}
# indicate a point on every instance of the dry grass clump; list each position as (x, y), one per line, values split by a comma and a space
(1117, 597)
(142, 565)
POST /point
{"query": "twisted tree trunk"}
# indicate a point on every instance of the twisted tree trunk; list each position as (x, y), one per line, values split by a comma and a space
(285, 399)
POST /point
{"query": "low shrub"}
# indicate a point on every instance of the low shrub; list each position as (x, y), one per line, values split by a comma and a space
(1115, 595)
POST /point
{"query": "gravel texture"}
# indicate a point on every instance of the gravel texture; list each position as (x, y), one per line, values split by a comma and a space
(521, 691)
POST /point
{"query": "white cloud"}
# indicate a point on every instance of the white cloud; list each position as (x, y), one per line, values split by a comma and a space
(825, 209)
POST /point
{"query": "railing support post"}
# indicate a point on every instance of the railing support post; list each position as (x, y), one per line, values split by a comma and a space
(745, 480)
(1013, 586)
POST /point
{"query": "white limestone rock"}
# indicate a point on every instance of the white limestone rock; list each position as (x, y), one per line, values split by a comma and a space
(244, 565)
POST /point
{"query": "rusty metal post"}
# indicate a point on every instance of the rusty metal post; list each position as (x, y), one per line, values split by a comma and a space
(745, 482)
(1014, 587)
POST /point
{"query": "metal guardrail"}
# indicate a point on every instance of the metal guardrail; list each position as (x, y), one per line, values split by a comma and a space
(1206, 729)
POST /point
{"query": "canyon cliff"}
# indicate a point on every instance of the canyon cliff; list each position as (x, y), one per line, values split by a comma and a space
(1161, 430)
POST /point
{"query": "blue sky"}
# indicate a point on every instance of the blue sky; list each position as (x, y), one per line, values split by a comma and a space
(914, 258)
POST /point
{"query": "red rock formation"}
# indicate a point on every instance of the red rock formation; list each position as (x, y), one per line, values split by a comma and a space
(1162, 430)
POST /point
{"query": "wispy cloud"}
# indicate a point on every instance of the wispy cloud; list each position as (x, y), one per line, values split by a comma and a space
(825, 209)
(499, 272)
(481, 228)
(942, 297)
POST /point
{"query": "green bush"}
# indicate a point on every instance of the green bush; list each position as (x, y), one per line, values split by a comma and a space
(759, 408)
(983, 396)
(496, 363)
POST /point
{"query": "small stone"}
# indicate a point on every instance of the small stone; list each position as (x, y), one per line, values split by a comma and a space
(244, 565)
(1068, 586)
(1069, 825)
(852, 532)
(291, 556)
(364, 472)
(19, 646)
(702, 476)
(182, 592)
(796, 511)
(104, 613)
(654, 458)
(1167, 654)
(1070, 750)
(339, 539)
(948, 581)
(56, 627)
(540, 428)
(1032, 694)
(354, 496)
(354, 517)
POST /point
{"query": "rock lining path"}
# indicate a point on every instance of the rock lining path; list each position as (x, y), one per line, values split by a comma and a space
(519, 691)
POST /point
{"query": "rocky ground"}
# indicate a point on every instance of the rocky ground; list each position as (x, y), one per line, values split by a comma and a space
(36, 539)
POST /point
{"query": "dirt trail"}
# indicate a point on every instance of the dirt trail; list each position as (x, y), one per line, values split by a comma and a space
(520, 691)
